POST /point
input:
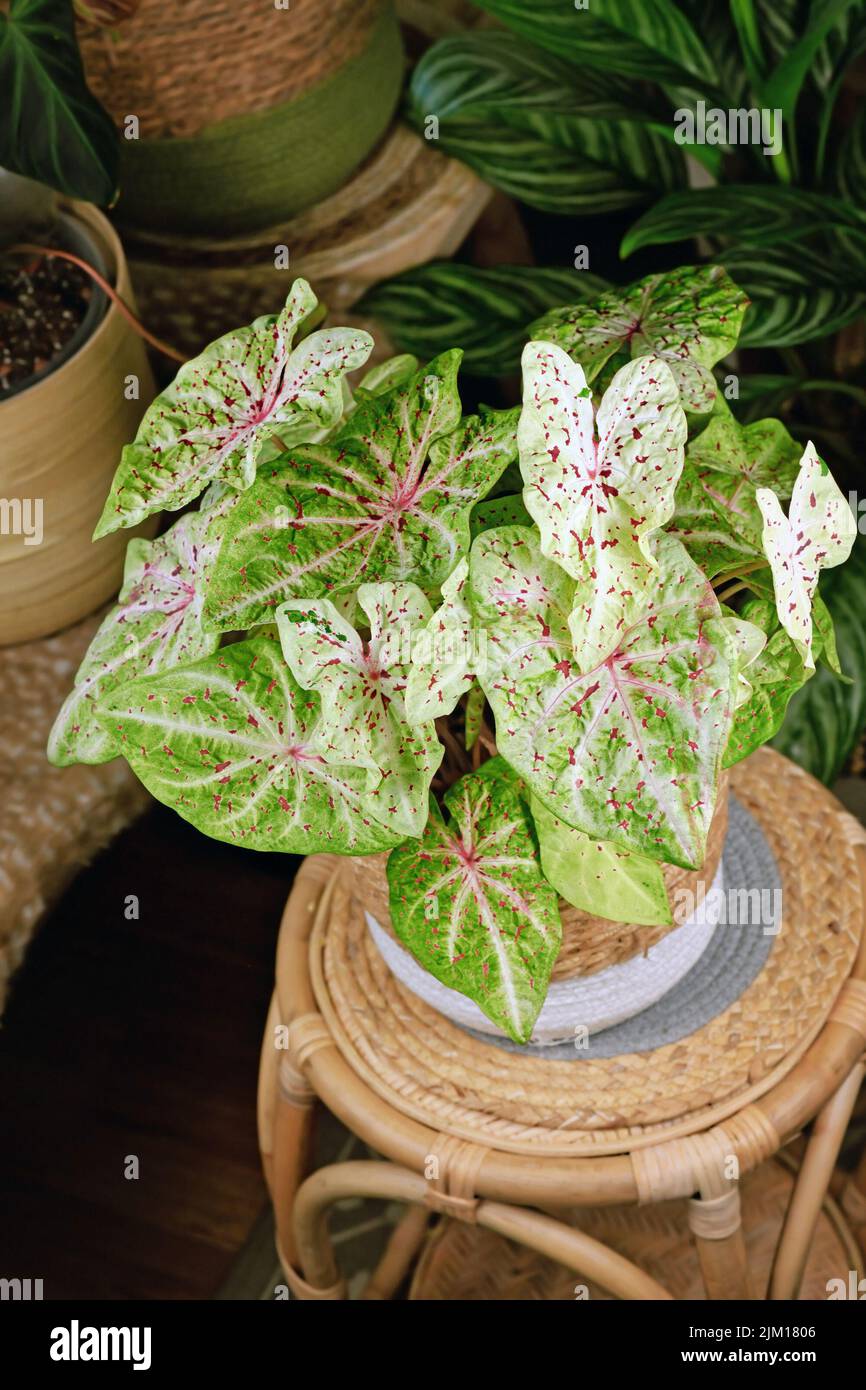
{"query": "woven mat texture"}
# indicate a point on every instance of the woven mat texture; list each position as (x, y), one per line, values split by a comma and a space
(52, 820)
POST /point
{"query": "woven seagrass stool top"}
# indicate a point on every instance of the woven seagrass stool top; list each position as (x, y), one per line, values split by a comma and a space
(521, 1102)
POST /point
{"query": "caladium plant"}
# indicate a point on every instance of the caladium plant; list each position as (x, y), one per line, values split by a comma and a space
(515, 649)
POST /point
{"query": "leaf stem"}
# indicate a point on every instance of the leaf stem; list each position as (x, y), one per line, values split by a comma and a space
(31, 249)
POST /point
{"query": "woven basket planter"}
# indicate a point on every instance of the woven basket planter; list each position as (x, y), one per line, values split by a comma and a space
(62, 438)
(246, 114)
(589, 944)
(407, 205)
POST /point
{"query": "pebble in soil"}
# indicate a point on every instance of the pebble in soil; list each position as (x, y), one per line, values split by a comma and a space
(42, 303)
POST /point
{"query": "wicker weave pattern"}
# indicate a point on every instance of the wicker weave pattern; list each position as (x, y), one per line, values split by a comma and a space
(589, 943)
(181, 68)
(462, 1262)
(427, 1068)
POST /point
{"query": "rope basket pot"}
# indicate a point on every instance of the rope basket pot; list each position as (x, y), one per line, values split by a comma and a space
(589, 944)
(408, 204)
(760, 1003)
(245, 113)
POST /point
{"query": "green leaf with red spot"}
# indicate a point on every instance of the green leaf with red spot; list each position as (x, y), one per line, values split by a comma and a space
(598, 877)
(155, 625)
(631, 750)
(689, 317)
(470, 902)
(599, 485)
(362, 686)
(447, 655)
(237, 748)
(774, 676)
(386, 499)
(211, 423)
(717, 516)
(817, 534)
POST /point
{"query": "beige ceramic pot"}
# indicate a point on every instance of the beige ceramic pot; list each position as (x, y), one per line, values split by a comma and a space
(60, 442)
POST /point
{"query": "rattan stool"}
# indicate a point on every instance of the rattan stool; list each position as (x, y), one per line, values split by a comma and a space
(516, 1143)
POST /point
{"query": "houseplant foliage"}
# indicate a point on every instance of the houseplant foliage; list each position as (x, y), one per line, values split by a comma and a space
(52, 128)
(576, 111)
(627, 625)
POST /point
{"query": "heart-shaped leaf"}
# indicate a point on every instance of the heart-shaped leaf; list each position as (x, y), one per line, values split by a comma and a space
(446, 656)
(748, 640)
(387, 498)
(629, 751)
(690, 318)
(470, 902)
(362, 686)
(825, 721)
(717, 516)
(599, 878)
(210, 425)
(156, 625)
(53, 128)
(817, 534)
(775, 674)
(598, 487)
(237, 748)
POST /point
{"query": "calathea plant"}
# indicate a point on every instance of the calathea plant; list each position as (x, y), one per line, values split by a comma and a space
(627, 622)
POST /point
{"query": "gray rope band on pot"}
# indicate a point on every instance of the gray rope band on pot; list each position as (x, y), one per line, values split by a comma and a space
(735, 955)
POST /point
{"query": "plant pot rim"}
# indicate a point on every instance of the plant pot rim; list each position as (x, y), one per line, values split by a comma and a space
(99, 245)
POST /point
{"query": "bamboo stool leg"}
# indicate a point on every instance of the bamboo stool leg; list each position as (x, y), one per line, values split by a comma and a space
(405, 1242)
(715, 1223)
(266, 1101)
(811, 1187)
(851, 1196)
(293, 1124)
(570, 1247)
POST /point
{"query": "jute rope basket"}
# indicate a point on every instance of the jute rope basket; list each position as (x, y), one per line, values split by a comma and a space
(589, 943)
(182, 68)
(464, 1262)
(235, 115)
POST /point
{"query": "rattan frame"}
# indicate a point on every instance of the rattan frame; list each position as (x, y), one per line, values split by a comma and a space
(518, 1196)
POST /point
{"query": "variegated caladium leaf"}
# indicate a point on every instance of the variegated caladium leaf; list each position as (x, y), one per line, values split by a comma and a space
(689, 317)
(471, 903)
(210, 424)
(394, 371)
(446, 656)
(717, 516)
(155, 625)
(599, 877)
(599, 486)
(629, 751)
(775, 674)
(362, 686)
(386, 499)
(749, 641)
(236, 747)
(817, 534)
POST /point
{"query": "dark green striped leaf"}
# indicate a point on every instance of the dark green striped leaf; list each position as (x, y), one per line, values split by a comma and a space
(648, 39)
(426, 311)
(795, 293)
(558, 140)
(752, 215)
(53, 128)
